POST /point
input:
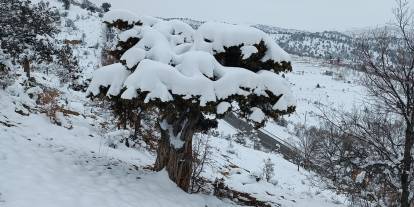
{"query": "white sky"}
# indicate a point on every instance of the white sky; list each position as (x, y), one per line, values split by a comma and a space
(313, 15)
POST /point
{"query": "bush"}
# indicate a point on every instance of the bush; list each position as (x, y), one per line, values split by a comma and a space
(66, 4)
(71, 24)
(48, 103)
(106, 6)
(201, 158)
(5, 76)
(70, 70)
(268, 169)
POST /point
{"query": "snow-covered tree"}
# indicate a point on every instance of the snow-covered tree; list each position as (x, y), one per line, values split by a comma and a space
(193, 77)
(368, 153)
(106, 6)
(26, 31)
(71, 68)
(389, 80)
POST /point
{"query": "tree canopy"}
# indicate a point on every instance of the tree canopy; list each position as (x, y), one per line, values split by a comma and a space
(192, 77)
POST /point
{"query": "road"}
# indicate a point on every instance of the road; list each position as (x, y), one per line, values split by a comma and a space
(268, 140)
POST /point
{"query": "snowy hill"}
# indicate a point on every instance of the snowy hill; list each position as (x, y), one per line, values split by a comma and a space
(80, 160)
(325, 45)
(77, 166)
(48, 165)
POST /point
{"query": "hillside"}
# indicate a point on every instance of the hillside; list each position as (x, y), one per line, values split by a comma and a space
(80, 158)
(80, 166)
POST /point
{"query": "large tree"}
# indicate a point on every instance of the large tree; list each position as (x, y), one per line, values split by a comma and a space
(192, 77)
(374, 146)
(26, 31)
(389, 78)
(360, 152)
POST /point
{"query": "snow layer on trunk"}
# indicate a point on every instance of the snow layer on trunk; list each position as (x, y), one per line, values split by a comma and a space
(175, 140)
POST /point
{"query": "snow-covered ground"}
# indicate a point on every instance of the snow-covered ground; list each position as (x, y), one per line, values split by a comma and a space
(47, 165)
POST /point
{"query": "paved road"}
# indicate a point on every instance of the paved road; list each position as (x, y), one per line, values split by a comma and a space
(268, 140)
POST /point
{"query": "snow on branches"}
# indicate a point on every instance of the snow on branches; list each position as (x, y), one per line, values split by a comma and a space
(215, 37)
(169, 61)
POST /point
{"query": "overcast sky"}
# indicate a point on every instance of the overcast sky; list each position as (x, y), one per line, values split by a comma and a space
(313, 15)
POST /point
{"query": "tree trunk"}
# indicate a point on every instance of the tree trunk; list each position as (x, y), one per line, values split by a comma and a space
(137, 125)
(26, 67)
(177, 158)
(406, 166)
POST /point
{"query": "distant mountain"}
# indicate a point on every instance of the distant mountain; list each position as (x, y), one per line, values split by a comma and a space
(333, 46)
(325, 45)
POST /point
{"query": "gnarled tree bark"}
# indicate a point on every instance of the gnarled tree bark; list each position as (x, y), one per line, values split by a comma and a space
(177, 159)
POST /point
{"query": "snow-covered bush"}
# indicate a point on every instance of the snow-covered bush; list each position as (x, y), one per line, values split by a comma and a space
(202, 150)
(70, 72)
(230, 148)
(106, 6)
(358, 153)
(308, 142)
(192, 77)
(268, 169)
(48, 102)
(6, 78)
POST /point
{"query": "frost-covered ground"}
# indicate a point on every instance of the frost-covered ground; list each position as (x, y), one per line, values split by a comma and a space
(42, 164)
